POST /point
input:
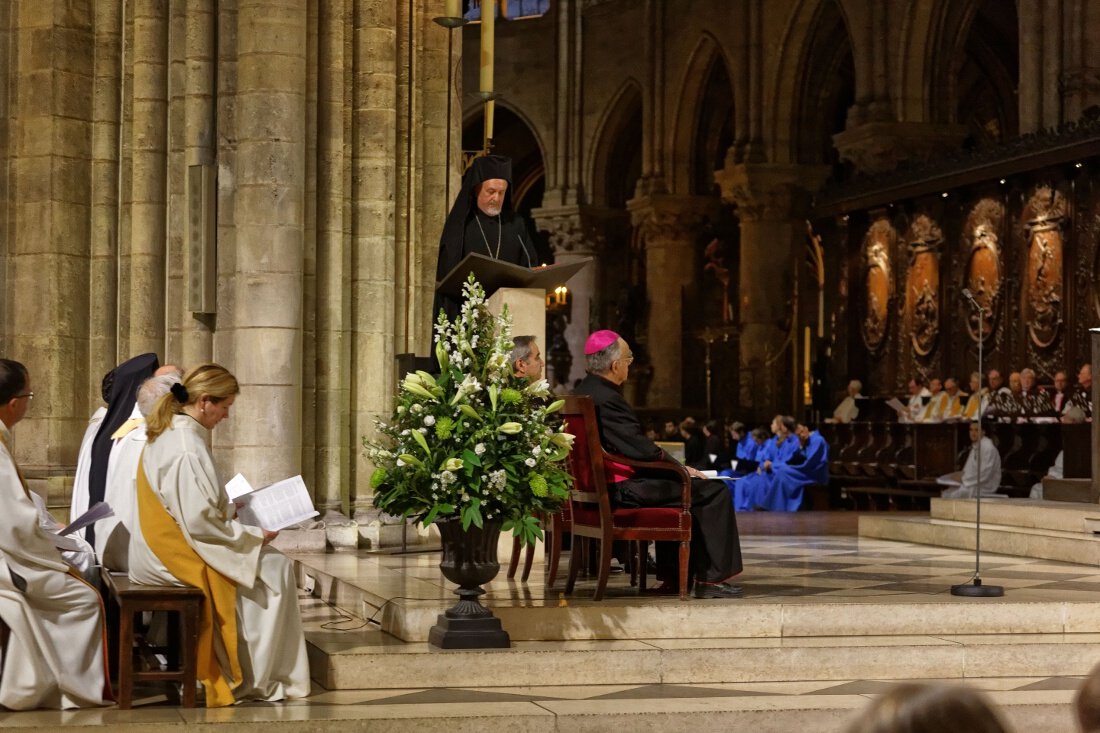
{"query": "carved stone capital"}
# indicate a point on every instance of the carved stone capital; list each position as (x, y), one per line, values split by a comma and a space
(579, 230)
(668, 219)
(770, 192)
(879, 146)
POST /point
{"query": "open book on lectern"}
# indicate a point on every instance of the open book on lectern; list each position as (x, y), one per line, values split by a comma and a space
(494, 275)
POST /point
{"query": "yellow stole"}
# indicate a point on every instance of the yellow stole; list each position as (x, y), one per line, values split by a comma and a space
(219, 613)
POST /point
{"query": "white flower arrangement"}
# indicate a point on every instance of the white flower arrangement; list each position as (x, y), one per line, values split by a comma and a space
(475, 441)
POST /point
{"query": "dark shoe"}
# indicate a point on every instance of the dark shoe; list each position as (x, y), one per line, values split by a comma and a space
(718, 590)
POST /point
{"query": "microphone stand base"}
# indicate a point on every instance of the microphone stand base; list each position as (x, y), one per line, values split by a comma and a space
(975, 589)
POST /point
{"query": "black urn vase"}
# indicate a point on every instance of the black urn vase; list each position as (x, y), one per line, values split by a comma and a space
(469, 559)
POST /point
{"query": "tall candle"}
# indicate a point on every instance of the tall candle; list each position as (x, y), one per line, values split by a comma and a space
(488, 28)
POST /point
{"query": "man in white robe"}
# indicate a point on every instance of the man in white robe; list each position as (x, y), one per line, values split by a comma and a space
(937, 403)
(918, 397)
(55, 654)
(982, 470)
(270, 643)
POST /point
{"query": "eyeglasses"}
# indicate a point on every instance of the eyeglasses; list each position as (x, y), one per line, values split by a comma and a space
(28, 395)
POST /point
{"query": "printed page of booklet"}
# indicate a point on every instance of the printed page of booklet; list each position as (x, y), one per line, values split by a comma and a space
(273, 507)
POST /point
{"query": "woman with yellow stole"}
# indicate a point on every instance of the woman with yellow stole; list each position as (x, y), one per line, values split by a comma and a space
(251, 644)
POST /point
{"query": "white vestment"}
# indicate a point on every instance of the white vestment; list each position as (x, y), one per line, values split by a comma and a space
(112, 534)
(54, 656)
(936, 408)
(967, 487)
(916, 405)
(84, 467)
(270, 645)
(847, 410)
(82, 560)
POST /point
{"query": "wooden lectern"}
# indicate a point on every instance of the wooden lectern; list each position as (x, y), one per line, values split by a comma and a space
(522, 289)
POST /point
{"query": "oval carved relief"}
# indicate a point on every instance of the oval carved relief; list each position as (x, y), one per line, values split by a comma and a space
(878, 286)
(983, 268)
(922, 284)
(1044, 217)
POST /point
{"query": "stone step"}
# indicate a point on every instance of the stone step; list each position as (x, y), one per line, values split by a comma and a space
(382, 663)
(1021, 541)
(1023, 710)
(531, 619)
(1035, 514)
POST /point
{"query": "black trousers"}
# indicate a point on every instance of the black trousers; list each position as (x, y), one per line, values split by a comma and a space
(715, 545)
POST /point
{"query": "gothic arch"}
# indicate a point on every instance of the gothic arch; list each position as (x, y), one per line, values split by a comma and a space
(621, 115)
(815, 66)
(707, 66)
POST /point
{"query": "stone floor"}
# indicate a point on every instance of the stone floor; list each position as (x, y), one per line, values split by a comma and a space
(814, 575)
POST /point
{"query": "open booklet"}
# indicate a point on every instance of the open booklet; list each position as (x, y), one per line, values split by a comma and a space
(62, 540)
(273, 507)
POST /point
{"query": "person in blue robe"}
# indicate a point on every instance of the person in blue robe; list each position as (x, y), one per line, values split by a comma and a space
(749, 492)
(809, 464)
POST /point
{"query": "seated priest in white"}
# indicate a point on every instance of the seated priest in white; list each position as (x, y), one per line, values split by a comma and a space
(918, 398)
(55, 653)
(937, 404)
(112, 534)
(251, 644)
(978, 401)
(848, 409)
(983, 455)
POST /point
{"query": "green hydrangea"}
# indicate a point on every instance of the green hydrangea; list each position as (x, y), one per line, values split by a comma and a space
(377, 478)
(444, 427)
(510, 396)
(538, 485)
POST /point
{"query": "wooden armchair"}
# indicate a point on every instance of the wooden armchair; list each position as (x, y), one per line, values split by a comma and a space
(593, 516)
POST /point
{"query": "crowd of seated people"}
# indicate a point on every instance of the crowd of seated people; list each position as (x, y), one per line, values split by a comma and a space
(767, 468)
(1022, 399)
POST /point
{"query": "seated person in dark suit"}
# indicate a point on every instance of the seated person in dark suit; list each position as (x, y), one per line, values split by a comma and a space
(715, 547)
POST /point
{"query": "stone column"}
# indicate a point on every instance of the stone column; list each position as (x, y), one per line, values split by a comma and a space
(577, 232)
(44, 296)
(669, 225)
(333, 369)
(148, 207)
(1081, 80)
(772, 203)
(194, 341)
(102, 307)
(267, 276)
(1041, 64)
(373, 266)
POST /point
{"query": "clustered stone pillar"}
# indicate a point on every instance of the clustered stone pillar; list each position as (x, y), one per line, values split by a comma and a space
(670, 225)
(267, 277)
(44, 293)
(771, 201)
(148, 181)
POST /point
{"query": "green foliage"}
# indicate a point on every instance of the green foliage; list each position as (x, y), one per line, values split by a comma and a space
(475, 442)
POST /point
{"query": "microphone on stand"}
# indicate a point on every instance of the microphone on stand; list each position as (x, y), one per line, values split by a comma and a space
(969, 296)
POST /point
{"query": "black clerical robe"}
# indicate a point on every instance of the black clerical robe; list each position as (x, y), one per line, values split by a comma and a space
(715, 546)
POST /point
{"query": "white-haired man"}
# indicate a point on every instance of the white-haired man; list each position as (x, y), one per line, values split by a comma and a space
(715, 547)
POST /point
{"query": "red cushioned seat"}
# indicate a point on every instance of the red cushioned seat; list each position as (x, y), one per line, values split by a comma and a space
(643, 518)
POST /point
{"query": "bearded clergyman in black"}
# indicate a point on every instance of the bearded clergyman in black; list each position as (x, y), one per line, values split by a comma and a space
(482, 220)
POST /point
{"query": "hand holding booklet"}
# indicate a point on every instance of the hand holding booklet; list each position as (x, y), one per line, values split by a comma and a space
(273, 507)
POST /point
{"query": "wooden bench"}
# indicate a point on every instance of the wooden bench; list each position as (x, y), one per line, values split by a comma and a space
(184, 605)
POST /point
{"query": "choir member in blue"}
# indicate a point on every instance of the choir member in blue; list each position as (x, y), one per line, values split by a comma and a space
(808, 465)
(750, 492)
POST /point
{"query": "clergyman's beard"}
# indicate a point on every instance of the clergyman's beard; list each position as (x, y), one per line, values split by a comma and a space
(492, 210)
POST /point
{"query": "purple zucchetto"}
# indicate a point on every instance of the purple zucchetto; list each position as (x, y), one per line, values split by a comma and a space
(599, 341)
